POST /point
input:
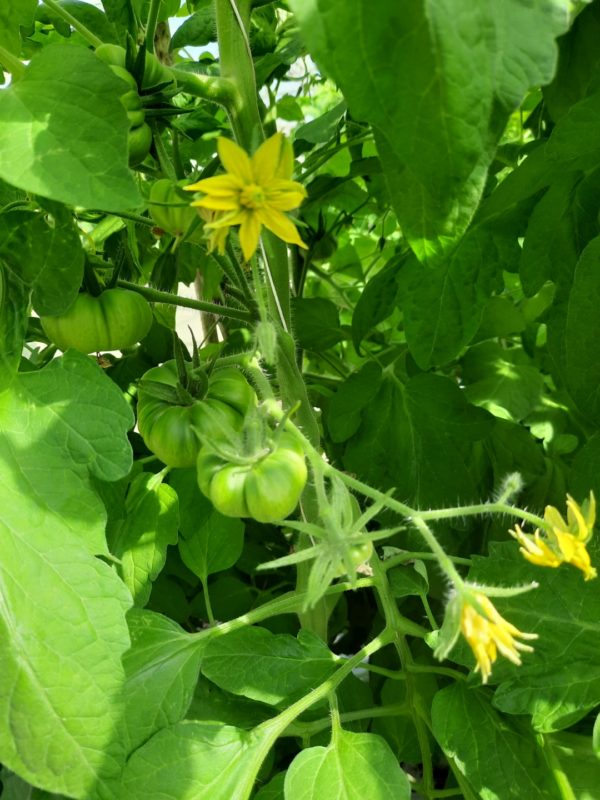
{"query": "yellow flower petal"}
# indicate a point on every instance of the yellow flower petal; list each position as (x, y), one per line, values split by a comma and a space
(234, 159)
(220, 184)
(285, 195)
(555, 519)
(266, 160)
(216, 203)
(488, 632)
(250, 235)
(280, 225)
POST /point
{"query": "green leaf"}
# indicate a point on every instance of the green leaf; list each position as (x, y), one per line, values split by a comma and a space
(418, 438)
(210, 542)
(198, 30)
(580, 762)
(376, 302)
(48, 258)
(316, 323)
(323, 128)
(502, 381)
(577, 332)
(272, 668)
(14, 313)
(13, 14)
(161, 672)
(140, 540)
(62, 626)
(59, 425)
(577, 75)
(353, 767)
(438, 83)
(63, 131)
(549, 241)
(194, 761)
(499, 759)
(211, 703)
(13, 788)
(273, 790)
(443, 304)
(343, 415)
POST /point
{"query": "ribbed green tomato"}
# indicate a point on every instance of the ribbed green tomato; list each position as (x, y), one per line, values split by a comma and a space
(169, 430)
(116, 319)
(266, 490)
(176, 215)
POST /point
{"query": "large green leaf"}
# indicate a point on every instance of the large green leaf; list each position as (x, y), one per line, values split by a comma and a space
(46, 256)
(161, 671)
(59, 425)
(500, 760)
(437, 81)
(418, 438)
(63, 131)
(272, 668)
(353, 767)
(62, 611)
(443, 303)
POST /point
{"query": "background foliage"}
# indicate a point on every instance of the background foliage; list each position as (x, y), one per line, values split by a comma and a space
(446, 320)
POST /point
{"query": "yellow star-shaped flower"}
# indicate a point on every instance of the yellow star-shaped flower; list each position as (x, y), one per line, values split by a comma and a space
(562, 542)
(487, 633)
(254, 191)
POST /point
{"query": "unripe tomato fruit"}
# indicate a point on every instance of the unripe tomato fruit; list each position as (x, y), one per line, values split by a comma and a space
(168, 429)
(176, 218)
(266, 490)
(116, 319)
(139, 141)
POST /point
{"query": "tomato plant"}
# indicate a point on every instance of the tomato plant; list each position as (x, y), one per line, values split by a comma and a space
(302, 505)
(114, 320)
(174, 431)
(267, 488)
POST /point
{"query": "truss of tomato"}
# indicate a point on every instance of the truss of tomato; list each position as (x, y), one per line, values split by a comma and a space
(267, 489)
(173, 431)
(114, 320)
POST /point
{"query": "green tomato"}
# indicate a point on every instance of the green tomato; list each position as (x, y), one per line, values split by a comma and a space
(176, 218)
(266, 490)
(358, 554)
(116, 319)
(139, 141)
(169, 430)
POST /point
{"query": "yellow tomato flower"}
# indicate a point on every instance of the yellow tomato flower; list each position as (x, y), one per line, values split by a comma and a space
(562, 542)
(488, 633)
(254, 191)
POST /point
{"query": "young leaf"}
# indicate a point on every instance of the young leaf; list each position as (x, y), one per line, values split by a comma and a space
(353, 767)
(272, 668)
(210, 542)
(141, 539)
(161, 672)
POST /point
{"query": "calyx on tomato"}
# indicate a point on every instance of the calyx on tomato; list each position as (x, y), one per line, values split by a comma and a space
(172, 429)
(156, 75)
(114, 320)
(169, 208)
(266, 488)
